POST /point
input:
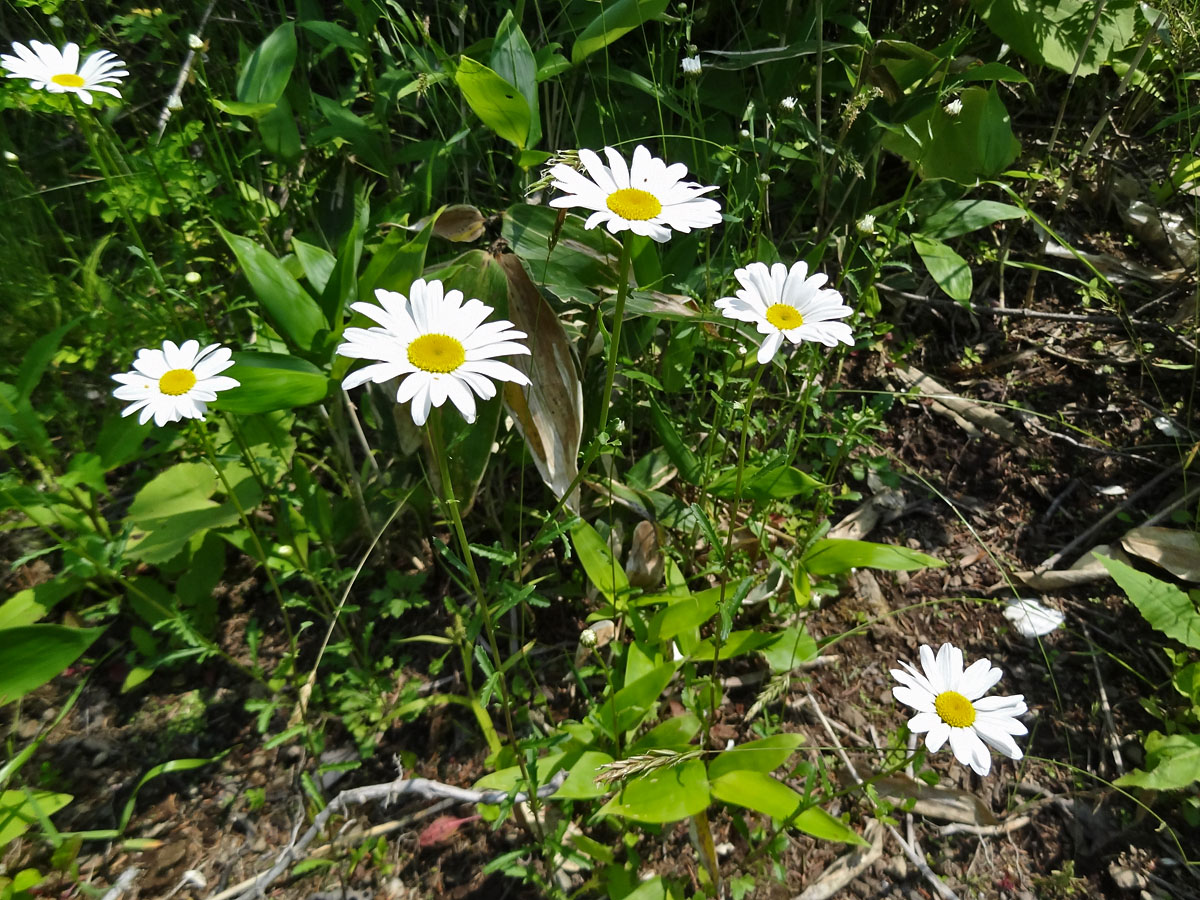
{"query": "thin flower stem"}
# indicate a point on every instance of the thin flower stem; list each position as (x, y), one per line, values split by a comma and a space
(210, 452)
(438, 444)
(715, 691)
(614, 348)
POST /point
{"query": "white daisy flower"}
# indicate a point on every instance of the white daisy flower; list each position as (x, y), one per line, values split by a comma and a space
(1031, 618)
(787, 303)
(950, 706)
(691, 66)
(440, 343)
(650, 198)
(175, 382)
(954, 108)
(59, 72)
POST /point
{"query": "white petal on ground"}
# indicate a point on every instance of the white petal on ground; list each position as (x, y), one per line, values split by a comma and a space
(1031, 618)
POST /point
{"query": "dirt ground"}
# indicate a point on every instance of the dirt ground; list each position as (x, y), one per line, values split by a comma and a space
(985, 503)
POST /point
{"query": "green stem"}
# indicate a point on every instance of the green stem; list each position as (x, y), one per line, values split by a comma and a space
(715, 691)
(614, 347)
(210, 452)
(438, 444)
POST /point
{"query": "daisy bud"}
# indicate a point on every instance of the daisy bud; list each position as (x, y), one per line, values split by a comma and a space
(691, 66)
(55, 22)
(764, 178)
(745, 132)
(192, 278)
(195, 42)
(10, 157)
(587, 638)
(866, 225)
(953, 108)
(787, 104)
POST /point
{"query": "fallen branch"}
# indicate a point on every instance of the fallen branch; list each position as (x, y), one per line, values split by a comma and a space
(173, 101)
(401, 787)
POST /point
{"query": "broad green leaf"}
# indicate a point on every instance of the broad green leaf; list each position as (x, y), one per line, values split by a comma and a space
(266, 74)
(581, 764)
(37, 356)
(513, 60)
(666, 794)
(679, 452)
(582, 265)
(27, 606)
(337, 35)
(397, 263)
(948, 269)
(675, 733)
(33, 654)
(765, 755)
(963, 216)
(977, 143)
(183, 487)
(832, 556)
(21, 424)
(684, 614)
(497, 103)
(626, 709)
(613, 21)
(366, 143)
(1172, 763)
(601, 567)
(762, 793)
(342, 288)
(739, 643)
(790, 648)
(279, 132)
(317, 262)
(290, 307)
(1164, 606)
(1058, 33)
(20, 810)
(237, 108)
(774, 482)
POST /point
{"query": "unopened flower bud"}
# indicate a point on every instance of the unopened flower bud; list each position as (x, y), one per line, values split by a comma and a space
(195, 42)
(55, 22)
(788, 103)
(587, 638)
(691, 66)
(192, 277)
(953, 108)
(10, 157)
(866, 225)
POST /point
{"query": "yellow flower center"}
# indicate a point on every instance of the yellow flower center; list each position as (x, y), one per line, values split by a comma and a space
(634, 204)
(68, 79)
(437, 353)
(955, 709)
(784, 317)
(177, 382)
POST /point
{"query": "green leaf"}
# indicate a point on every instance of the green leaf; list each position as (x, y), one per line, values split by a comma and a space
(513, 60)
(167, 768)
(183, 487)
(963, 216)
(774, 482)
(236, 108)
(833, 556)
(33, 654)
(498, 103)
(675, 733)
(37, 356)
(290, 307)
(601, 567)
(1056, 32)
(626, 709)
(582, 267)
(1164, 606)
(19, 810)
(27, 606)
(337, 35)
(765, 755)
(948, 269)
(679, 452)
(684, 614)
(1172, 763)
(266, 74)
(738, 643)
(317, 263)
(279, 133)
(667, 794)
(342, 287)
(613, 21)
(363, 140)
(790, 648)
(762, 793)
(397, 263)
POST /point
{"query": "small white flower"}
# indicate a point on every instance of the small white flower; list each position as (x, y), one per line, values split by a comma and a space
(785, 303)
(691, 66)
(950, 706)
(1031, 618)
(443, 346)
(588, 638)
(650, 198)
(953, 108)
(59, 72)
(788, 103)
(10, 157)
(866, 225)
(195, 42)
(175, 382)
